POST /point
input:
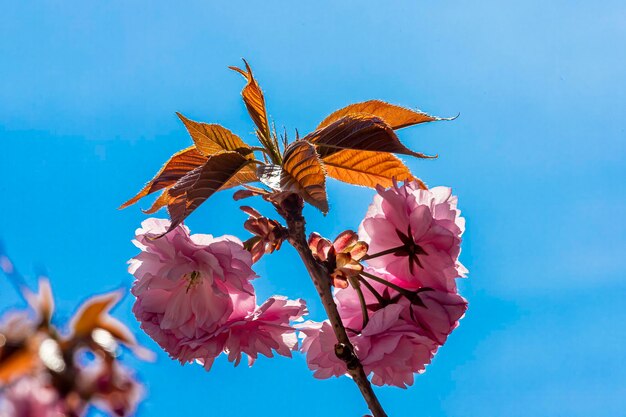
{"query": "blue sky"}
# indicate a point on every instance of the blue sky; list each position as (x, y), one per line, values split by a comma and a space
(88, 92)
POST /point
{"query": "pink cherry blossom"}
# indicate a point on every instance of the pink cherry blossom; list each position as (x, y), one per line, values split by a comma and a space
(436, 312)
(195, 299)
(318, 342)
(393, 348)
(440, 313)
(401, 335)
(389, 347)
(425, 226)
(262, 331)
(185, 283)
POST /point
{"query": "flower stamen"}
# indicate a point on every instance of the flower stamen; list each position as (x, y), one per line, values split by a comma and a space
(193, 278)
(411, 249)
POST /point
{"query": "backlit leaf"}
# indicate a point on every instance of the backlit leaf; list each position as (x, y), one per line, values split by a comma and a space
(91, 313)
(303, 173)
(42, 301)
(162, 201)
(17, 364)
(246, 175)
(211, 138)
(396, 117)
(94, 314)
(358, 131)
(201, 183)
(174, 169)
(122, 334)
(254, 100)
(366, 168)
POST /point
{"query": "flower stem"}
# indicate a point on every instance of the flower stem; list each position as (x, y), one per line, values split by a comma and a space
(401, 290)
(357, 286)
(381, 253)
(321, 279)
(379, 297)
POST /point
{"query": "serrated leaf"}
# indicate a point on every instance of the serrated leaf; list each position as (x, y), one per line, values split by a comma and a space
(212, 138)
(361, 132)
(396, 117)
(246, 175)
(303, 173)
(162, 201)
(174, 169)
(366, 168)
(201, 183)
(254, 100)
(42, 301)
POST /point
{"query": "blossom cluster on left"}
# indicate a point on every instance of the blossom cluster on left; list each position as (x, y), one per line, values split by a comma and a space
(50, 371)
(196, 300)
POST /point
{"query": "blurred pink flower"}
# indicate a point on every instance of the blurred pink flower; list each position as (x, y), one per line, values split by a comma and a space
(31, 397)
(194, 298)
(6, 265)
(16, 326)
(110, 387)
(424, 226)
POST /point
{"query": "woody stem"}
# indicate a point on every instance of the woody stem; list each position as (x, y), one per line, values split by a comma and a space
(321, 279)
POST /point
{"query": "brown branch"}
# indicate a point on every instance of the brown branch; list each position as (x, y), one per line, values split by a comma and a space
(321, 279)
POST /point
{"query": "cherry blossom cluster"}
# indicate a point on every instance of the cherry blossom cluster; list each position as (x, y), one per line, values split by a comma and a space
(196, 300)
(401, 307)
(395, 289)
